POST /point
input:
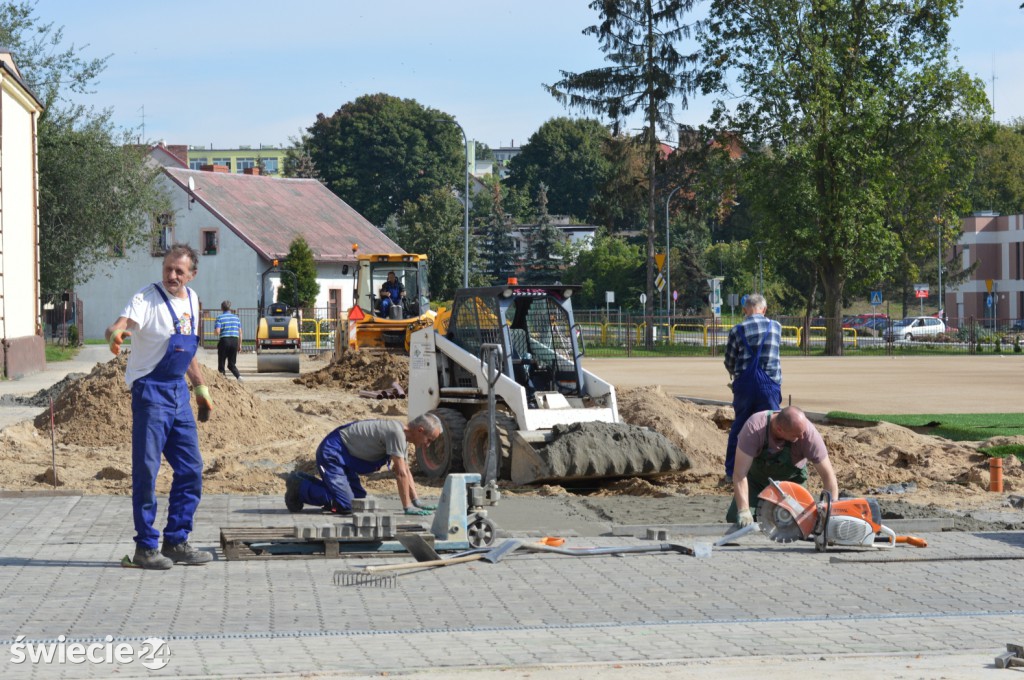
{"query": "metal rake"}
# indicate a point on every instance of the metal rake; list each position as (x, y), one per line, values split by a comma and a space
(364, 578)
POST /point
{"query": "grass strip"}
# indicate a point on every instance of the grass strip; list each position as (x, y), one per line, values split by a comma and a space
(955, 426)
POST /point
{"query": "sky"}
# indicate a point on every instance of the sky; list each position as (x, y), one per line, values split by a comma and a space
(228, 73)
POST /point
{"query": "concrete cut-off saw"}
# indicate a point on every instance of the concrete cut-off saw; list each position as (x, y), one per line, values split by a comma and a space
(787, 512)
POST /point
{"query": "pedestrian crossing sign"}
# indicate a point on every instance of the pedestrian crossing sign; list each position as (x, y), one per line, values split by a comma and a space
(876, 297)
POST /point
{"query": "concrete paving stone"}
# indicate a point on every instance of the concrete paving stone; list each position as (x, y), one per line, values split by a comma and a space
(692, 609)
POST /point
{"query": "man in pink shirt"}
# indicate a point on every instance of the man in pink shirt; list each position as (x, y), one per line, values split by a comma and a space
(776, 445)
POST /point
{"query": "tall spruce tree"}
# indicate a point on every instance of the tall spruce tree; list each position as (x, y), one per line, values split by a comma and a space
(640, 38)
(500, 257)
(544, 245)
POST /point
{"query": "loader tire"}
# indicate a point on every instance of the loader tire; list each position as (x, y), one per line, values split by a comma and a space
(475, 443)
(444, 454)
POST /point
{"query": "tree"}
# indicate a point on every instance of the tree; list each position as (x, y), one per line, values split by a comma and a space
(97, 194)
(639, 37)
(544, 245)
(621, 203)
(611, 263)
(499, 254)
(834, 94)
(298, 164)
(999, 181)
(97, 199)
(432, 225)
(378, 152)
(568, 156)
(303, 287)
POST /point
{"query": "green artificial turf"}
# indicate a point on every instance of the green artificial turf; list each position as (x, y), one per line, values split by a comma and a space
(955, 426)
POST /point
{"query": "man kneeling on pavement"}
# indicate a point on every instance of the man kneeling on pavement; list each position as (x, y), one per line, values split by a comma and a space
(359, 448)
(776, 445)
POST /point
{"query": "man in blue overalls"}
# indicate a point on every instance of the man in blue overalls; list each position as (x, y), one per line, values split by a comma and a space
(161, 320)
(359, 448)
(752, 359)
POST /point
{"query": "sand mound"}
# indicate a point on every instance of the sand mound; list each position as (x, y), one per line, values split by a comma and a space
(96, 411)
(684, 424)
(361, 370)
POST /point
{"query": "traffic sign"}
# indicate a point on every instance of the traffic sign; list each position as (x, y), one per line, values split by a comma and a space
(920, 290)
(643, 298)
(659, 282)
(659, 259)
(876, 297)
(675, 295)
(988, 301)
(988, 286)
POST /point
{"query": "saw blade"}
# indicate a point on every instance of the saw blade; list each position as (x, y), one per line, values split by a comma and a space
(777, 523)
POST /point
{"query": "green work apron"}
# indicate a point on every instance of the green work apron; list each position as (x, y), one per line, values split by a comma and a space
(778, 466)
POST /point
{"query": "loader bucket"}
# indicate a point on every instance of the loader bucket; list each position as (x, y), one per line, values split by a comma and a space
(592, 450)
(277, 363)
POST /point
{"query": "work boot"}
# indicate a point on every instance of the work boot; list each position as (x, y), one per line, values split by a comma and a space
(185, 554)
(333, 509)
(150, 558)
(292, 498)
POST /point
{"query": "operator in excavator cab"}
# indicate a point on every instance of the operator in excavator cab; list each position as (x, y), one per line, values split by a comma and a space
(386, 303)
(395, 290)
(776, 445)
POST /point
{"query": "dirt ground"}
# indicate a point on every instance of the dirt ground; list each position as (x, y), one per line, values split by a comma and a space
(264, 427)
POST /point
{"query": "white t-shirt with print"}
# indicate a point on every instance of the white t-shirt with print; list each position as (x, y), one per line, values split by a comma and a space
(149, 341)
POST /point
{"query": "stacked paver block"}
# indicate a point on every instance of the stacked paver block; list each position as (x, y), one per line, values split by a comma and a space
(365, 522)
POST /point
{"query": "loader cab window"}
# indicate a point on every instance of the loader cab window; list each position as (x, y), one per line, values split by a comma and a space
(475, 321)
(406, 285)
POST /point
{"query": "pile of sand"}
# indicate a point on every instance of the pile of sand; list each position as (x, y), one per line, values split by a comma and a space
(361, 370)
(95, 411)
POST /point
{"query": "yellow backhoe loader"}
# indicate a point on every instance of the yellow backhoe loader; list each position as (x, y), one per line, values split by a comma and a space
(393, 299)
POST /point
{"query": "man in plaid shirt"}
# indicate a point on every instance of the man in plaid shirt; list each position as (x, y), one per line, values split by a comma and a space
(755, 372)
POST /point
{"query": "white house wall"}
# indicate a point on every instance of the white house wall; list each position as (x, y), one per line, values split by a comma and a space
(228, 275)
(233, 274)
(19, 261)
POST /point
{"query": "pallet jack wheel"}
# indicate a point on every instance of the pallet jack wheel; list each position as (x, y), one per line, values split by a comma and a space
(480, 532)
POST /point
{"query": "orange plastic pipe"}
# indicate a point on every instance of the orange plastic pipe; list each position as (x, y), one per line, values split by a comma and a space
(995, 471)
(912, 540)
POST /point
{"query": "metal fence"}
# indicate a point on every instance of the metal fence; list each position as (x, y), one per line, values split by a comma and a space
(316, 328)
(624, 334)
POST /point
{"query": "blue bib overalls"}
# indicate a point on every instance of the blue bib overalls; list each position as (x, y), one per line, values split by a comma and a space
(753, 391)
(339, 474)
(162, 422)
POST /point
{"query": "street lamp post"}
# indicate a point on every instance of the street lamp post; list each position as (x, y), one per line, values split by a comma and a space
(941, 301)
(465, 203)
(760, 267)
(668, 254)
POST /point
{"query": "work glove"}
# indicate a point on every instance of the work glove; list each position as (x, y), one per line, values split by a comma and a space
(744, 519)
(116, 338)
(411, 510)
(423, 506)
(204, 401)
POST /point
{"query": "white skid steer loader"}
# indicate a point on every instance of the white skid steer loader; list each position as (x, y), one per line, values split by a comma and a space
(555, 421)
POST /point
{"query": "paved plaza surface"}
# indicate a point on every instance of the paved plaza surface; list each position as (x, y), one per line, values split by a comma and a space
(749, 610)
(59, 576)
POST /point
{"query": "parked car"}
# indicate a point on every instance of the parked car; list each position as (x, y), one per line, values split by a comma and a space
(1017, 325)
(915, 327)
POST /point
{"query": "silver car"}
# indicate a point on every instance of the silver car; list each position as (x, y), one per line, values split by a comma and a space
(915, 328)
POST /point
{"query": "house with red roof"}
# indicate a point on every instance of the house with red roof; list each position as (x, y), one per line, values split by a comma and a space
(239, 224)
